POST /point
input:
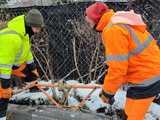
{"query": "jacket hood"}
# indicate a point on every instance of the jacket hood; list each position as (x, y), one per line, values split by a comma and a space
(130, 18)
(18, 24)
(122, 17)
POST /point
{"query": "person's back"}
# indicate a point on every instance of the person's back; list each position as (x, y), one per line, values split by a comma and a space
(144, 64)
(143, 54)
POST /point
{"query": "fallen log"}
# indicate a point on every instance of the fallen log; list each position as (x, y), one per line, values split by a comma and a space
(20, 112)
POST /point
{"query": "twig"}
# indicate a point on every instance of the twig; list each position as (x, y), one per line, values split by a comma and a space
(32, 84)
(91, 71)
(104, 72)
(41, 66)
(50, 98)
(91, 63)
(82, 103)
(63, 78)
(96, 63)
(75, 60)
(44, 59)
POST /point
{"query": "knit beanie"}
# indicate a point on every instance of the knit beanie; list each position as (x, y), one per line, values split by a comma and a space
(34, 18)
(96, 10)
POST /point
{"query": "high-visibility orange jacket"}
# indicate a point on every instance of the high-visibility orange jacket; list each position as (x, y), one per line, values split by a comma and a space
(131, 53)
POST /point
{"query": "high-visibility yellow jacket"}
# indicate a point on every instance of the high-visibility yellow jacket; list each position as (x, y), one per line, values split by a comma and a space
(131, 54)
(14, 46)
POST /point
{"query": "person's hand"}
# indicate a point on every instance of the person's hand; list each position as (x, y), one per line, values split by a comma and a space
(35, 72)
(31, 75)
(105, 99)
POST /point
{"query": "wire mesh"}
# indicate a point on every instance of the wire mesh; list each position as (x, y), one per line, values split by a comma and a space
(68, 48)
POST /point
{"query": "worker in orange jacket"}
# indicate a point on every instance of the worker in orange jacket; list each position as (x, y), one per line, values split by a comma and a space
(132, 56)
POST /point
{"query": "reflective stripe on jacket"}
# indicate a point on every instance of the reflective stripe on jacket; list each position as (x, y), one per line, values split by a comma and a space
(132, 56)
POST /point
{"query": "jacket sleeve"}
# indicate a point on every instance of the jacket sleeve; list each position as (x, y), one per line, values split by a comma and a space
(116, 53)
(29, 58)
(10, 46)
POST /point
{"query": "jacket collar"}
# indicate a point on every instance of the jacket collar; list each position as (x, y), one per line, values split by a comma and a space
(105, 19)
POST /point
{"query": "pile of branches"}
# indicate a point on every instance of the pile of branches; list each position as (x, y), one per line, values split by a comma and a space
(61, 95)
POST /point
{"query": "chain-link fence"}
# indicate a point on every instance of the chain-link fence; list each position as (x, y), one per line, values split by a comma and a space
(68, 48)
(25, 3)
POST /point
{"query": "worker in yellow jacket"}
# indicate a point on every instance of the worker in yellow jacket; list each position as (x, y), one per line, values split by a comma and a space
(132, 56)
(15, 52)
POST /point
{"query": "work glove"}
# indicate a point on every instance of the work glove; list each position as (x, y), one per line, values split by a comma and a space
(31, 73)
(24, 73)
(34, 75)
(27, 72)
(107, 98)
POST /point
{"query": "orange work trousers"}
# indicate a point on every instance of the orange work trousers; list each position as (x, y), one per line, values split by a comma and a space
(5, 93)
(136, 109)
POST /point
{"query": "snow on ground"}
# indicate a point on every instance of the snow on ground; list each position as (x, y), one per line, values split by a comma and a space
(36, 97)
(93, 103)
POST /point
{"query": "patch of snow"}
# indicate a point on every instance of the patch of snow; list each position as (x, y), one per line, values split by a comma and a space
(120, 98)
(37, 97)
(149, 116)
(93, 103)
(72, 101)
(72, 82)
(155, 110)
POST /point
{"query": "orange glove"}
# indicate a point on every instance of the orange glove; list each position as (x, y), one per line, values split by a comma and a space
(31, 72)
(18, 71)
(28, 72)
